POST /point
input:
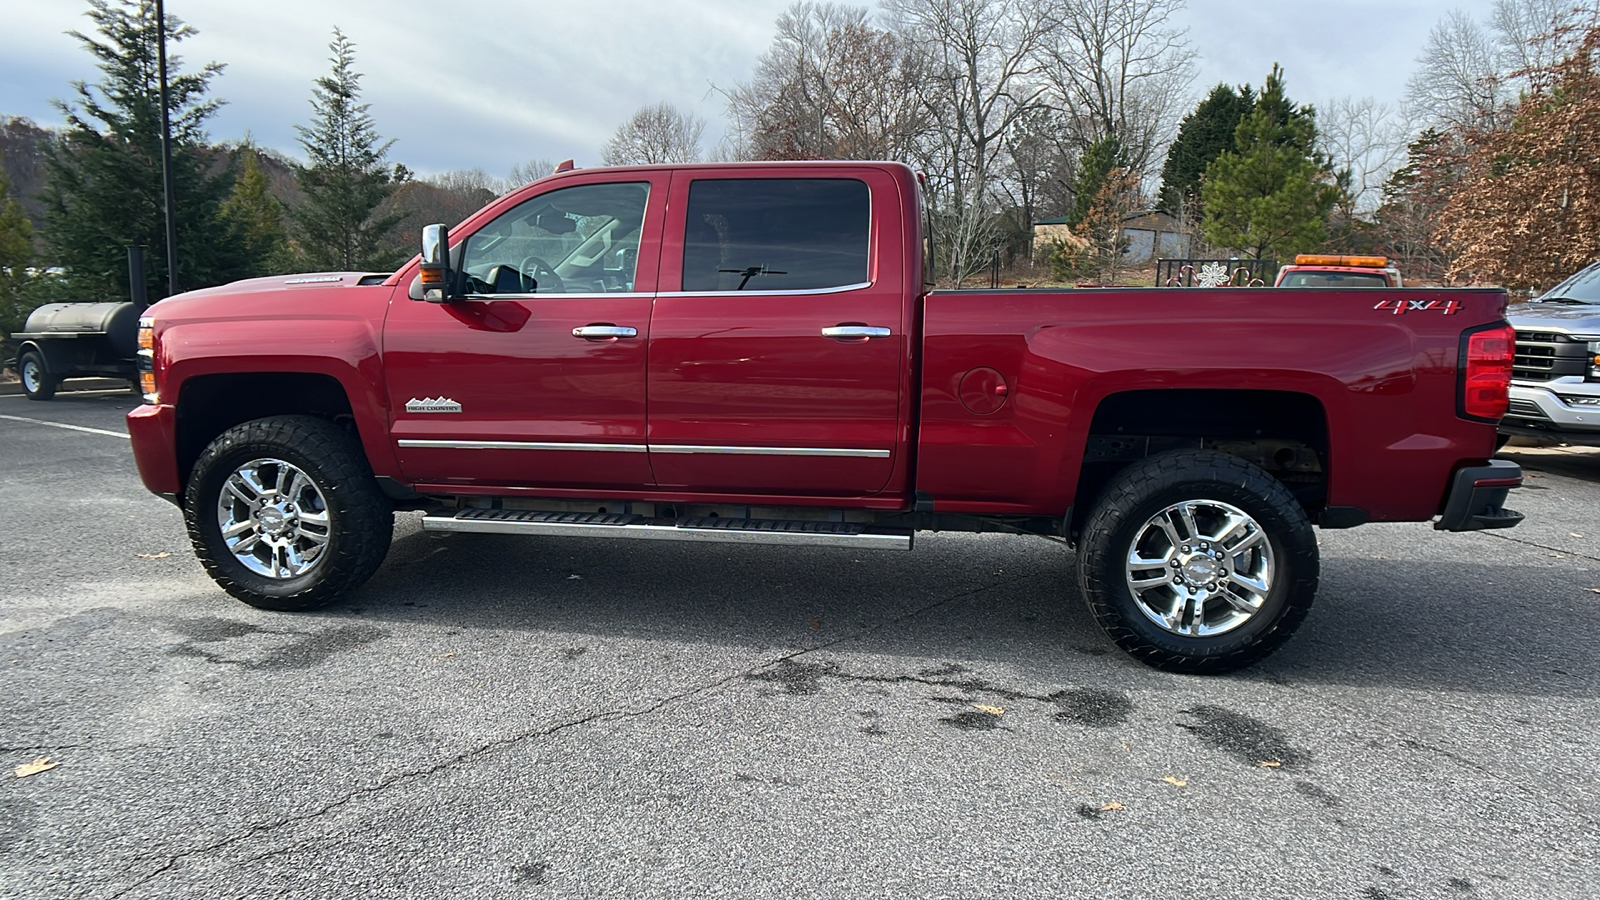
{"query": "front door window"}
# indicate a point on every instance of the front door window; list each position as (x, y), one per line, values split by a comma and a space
(578, 240)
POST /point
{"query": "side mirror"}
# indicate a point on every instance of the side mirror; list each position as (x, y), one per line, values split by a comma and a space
(435, 270)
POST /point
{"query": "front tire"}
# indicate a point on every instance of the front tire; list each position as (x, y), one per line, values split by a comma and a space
(37, 382)
(284, 513)
(1197, 561)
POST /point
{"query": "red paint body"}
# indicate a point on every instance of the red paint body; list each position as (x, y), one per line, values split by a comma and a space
(981, 399)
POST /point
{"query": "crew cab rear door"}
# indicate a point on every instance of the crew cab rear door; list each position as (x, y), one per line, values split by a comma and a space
(779, 343)
(537, 377)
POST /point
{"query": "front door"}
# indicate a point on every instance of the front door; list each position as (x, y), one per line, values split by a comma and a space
(537, 377)
(776, 369)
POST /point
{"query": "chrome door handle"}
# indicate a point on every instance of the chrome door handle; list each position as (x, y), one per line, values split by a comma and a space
(856, 331)
(605, 332)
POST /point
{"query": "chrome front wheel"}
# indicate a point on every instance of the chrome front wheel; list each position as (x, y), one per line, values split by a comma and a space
(273, 518)
(284, 512)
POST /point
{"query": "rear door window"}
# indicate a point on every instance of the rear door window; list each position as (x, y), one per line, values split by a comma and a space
(776, 234)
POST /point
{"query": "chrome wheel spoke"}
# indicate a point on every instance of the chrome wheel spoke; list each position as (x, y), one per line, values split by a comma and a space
(241, 490)
(1248, 542)
(1164, 576)
(1164, 522)
(1185, 513)
(1257, 586)
(1245, 605)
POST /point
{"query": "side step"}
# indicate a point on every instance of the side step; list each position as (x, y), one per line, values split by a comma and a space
(848, 535)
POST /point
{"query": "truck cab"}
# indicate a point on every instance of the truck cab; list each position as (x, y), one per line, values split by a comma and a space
(1339, 271)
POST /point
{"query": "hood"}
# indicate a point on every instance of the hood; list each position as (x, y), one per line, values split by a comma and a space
(291, 282)
(276, 295)
(1577, 318)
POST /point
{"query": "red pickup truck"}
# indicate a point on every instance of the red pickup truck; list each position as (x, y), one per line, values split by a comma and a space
(750, 353)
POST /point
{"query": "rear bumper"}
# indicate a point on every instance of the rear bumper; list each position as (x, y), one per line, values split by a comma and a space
(1478, 495)
(153, 431)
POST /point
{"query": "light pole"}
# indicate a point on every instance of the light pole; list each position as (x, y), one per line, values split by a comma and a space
(166, 150)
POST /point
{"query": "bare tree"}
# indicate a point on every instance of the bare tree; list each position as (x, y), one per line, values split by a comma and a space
(1120, 69)
(1534, 34)
(659, 133)
(1458, 82)
(1364, 141)
(984, 72)
(528, 172)
(831, 86)
(1035, 177)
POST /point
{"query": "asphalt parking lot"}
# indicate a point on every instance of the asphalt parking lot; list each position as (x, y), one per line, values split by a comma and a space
(504, 717)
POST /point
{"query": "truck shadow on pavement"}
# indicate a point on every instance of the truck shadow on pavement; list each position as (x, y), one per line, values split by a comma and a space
(983, 602)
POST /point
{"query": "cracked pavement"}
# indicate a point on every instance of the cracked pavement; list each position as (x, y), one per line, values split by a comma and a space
(504, 717)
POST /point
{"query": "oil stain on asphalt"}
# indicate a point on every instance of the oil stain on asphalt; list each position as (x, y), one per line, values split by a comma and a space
(1094, 707)
(1250, 740)
(304, 650)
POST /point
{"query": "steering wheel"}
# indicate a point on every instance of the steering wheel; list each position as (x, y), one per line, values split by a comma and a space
(544, 274)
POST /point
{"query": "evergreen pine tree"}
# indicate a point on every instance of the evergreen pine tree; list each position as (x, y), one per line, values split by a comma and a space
(1095, 164)
(1271, 195)
(258, 215)
(337, 226)
(16, 251)
(1203, 135)
(104, 186)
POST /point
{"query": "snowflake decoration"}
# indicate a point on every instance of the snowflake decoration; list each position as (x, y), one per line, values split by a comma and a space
(1213, 274)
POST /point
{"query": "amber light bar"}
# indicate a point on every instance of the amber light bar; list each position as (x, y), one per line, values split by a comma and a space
(1323, 259)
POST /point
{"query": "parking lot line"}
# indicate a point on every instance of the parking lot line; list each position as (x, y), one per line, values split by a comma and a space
(66, 426)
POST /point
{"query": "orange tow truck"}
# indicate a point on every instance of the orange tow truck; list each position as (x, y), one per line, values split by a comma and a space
(1326, 270)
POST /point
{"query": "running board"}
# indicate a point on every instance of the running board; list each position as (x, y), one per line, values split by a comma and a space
(849, 535)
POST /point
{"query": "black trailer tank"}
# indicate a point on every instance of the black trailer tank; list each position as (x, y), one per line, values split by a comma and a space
(76, 340)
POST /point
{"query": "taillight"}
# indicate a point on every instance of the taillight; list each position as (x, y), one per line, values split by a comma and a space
(1486, 356)
(147, 359)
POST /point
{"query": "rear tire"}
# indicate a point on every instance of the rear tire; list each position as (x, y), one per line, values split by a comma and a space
(1198, 562)
(284, 513)
(37, 382)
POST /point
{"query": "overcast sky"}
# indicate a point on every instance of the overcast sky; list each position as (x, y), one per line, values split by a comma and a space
(493, 83)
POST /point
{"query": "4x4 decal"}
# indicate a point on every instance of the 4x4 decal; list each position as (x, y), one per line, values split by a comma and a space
(1401, 307)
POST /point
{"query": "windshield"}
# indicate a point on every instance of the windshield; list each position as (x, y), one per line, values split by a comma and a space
(1584, 287)
(1333, 279)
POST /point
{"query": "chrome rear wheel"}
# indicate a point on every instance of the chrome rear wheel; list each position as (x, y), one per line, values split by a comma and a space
(1200, 568)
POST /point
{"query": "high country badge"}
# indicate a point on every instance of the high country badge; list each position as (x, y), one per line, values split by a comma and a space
(432, 405)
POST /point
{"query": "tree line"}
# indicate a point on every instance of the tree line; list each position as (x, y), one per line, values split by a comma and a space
(241, 212)
(1016, 111)
(1022, 110)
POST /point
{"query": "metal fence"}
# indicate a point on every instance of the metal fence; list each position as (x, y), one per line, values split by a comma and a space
(1215, 272)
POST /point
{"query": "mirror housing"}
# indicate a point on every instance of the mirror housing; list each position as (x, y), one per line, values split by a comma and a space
(434, 275)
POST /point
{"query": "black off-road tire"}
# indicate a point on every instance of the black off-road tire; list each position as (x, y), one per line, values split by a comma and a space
(37, 382)
(1145, 489)
(360, 517)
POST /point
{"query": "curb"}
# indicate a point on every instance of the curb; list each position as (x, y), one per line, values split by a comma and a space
(14, 388)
